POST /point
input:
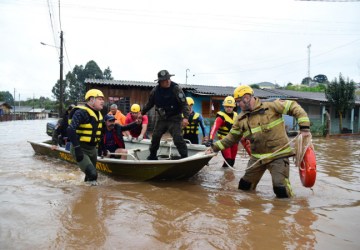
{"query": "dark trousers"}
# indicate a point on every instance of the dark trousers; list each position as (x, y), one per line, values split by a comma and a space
(193, 138)
(174, 128)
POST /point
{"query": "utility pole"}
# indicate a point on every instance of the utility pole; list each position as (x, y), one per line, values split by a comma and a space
(309, 60)
(14, 105)
(186, 75)
(61, 97)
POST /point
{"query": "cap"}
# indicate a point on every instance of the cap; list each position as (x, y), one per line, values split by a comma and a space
(109, 118)
(163, 75)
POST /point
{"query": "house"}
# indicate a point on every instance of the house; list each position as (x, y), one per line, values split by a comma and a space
(266, 85)
(5, 108)
(208, 101)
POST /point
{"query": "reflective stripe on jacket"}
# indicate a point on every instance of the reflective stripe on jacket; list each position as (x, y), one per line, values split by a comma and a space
(265, 128)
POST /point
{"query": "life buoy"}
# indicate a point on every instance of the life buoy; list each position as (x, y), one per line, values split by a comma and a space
(307, 169)
(246, 145)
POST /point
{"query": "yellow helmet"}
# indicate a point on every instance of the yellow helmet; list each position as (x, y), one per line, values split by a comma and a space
(229, 102)
(93, 92)
(241, 90)
(135, 108)
(190, 101)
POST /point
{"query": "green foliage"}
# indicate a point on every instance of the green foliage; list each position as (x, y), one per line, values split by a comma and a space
(6, 96)
(318, 88)
(42, 102)
(341, 94)
(306, 81)
(74, 87)
(255, 86)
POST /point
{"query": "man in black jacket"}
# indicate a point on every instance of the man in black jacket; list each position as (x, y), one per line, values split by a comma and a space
(170, 103)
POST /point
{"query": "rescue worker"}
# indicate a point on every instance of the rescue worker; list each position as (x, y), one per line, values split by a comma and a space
(191, 131)
(112, 138)
(170, 102)
(222, 125)
(139, 132)
(84, 132)
(59, 136)
(119, 116)
(263, 124)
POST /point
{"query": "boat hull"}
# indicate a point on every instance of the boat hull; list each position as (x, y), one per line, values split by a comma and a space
(137, 169)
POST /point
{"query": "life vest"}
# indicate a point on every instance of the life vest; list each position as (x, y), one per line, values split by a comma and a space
(193, 126)
(229, 121)
(89, 132)
(166, 99)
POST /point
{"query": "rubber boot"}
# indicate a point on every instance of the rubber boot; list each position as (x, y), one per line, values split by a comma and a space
(152, 157)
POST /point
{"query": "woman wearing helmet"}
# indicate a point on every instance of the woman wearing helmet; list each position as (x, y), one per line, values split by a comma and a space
(84, 132)
(222, 125)
(191, 131)
(138, 132)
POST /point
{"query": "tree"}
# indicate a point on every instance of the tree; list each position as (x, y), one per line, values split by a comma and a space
(321, 78)
(7, 97)
(107, 74)
(341, 94)
(92, 70)
(306, 81)
(255, 86)
(56, 92)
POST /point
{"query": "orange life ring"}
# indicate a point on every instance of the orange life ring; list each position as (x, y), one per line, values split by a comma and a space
(307, 168)
(246, 144)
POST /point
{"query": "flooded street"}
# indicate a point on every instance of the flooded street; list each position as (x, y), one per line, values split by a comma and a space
(44, 204)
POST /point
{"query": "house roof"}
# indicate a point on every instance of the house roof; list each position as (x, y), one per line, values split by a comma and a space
(221, 90)
(23, 109)
(5, 104)
(195, 89)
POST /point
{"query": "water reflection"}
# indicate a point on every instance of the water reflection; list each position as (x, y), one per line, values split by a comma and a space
(44, 204)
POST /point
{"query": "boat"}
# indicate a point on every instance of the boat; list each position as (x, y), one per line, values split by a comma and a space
(169, 165)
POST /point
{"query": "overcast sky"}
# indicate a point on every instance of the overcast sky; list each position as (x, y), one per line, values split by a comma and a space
(219, 42)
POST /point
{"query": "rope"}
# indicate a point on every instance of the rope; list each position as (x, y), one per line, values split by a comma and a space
(299, 151)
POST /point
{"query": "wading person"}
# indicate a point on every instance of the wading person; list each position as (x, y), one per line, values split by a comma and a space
(262, 123)
(84, 132)
(59, 136)
(222, 125)
(170, 104)
(112, 138)
(191, 131)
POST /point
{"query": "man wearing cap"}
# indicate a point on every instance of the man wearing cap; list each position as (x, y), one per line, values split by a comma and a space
(112, 137)
(84, 132)
(170, 104)
(262, 123)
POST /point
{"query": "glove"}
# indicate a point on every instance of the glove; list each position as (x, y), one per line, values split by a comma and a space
(140, 137)
(209, 143)
(79, 155)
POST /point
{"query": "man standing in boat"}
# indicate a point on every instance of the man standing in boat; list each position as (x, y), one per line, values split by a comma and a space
(84, 132)
(262, 123)
(170, 104)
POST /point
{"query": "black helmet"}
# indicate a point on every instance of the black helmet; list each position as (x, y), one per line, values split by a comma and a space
(163, 75)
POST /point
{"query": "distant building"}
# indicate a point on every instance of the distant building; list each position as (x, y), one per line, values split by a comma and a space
(266, 85)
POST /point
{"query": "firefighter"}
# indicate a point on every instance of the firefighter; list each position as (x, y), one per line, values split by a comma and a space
(191, 131)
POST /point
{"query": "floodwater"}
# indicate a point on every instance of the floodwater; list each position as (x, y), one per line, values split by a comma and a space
(44, 204)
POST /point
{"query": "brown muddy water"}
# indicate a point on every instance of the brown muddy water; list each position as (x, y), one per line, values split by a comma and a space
(44, 204)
